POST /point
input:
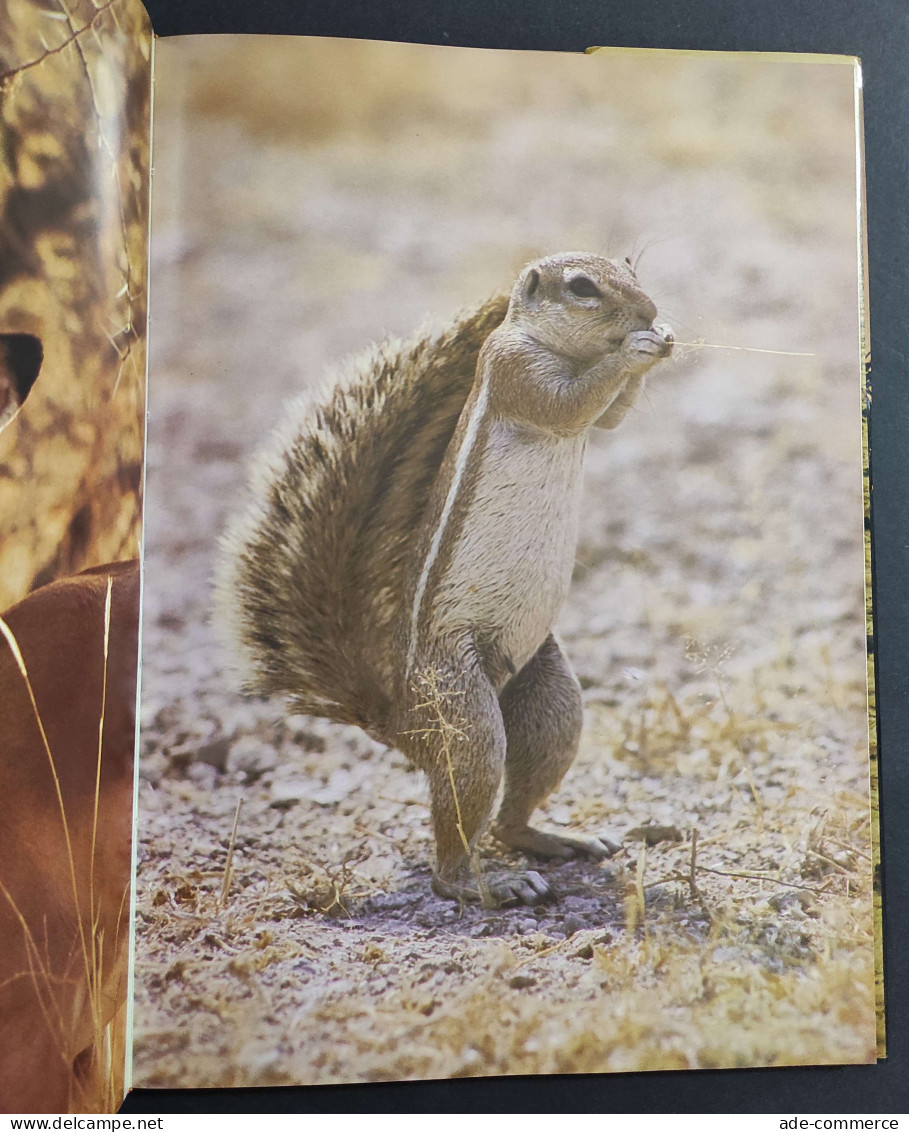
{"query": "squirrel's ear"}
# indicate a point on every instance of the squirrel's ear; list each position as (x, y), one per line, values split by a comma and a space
(531, 283)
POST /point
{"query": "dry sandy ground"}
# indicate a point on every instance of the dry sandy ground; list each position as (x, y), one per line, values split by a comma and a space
(716, 618)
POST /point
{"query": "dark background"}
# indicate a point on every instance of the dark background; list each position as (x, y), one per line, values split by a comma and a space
(879, 34)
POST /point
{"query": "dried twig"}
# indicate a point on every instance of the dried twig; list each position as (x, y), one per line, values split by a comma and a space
(692, 867)
(829, 861)
(850, 848)
(73, 38)
(639, 885)
(690, 878)
(761, 876)
(229, 863)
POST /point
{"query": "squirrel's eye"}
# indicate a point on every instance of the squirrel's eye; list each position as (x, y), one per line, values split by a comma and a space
(533, 281)
(584, 288)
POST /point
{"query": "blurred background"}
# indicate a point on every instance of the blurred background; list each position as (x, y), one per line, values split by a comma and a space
(381, 182)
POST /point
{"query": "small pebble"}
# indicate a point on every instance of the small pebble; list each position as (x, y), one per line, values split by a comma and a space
(250, 756)
(574, 923)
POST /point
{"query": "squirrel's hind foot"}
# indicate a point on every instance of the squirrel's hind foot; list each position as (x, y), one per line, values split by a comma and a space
(498, 891)
(556, 845)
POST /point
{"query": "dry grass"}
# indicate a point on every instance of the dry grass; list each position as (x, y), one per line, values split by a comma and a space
(743, 940)
(441, 706)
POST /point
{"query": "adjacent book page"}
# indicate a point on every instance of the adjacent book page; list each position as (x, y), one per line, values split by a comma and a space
(75, 86)
(315, 196)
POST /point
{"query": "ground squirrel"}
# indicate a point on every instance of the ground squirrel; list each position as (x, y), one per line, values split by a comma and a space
(410, 540)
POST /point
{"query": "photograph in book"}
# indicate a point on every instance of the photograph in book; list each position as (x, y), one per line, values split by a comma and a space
(75, 84)
(504, 705)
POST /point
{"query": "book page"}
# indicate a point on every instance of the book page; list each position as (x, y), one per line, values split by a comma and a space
(295, 916)
(75, 86)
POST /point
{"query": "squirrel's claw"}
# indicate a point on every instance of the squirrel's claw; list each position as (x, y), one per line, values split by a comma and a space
(599, 847)
(557, 845)
(517, 888)
(499, 891)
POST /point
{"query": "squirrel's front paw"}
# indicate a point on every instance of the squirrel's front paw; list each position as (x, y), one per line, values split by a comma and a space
(649, 345)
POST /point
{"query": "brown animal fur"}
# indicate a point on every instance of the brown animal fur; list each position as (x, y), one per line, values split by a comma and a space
(331, 528)
(48, 1024)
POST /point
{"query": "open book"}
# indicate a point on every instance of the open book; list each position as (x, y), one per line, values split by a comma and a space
(288, 902)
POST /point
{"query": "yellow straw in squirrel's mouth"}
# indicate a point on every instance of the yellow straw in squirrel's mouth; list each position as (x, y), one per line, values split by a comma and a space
(746, 349)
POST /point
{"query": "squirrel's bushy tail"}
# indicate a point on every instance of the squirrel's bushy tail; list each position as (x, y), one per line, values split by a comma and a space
(312, 572)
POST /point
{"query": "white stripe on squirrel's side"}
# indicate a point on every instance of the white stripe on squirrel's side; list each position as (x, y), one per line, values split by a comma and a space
(467, 444)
